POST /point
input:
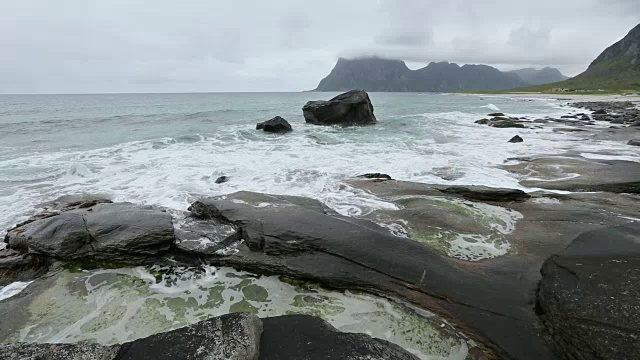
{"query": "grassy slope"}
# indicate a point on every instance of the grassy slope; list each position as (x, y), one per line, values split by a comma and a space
(611, 76)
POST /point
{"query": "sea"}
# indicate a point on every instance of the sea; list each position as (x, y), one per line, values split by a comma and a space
(168, 149)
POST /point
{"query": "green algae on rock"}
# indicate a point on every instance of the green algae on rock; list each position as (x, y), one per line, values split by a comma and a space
(119, 305)
(457, 228)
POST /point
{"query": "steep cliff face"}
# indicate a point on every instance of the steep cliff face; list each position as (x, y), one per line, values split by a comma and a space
(375, 74)
(617, 68)
(543, 76)
(371, 74)
(623, 54)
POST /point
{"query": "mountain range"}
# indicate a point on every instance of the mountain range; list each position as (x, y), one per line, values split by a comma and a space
(386, 75)
(539, 77)
(617, 68)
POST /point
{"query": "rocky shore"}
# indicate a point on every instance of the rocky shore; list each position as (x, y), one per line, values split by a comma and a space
(546, 274)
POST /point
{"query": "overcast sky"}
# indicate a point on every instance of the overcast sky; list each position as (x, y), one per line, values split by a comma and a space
(88, 46)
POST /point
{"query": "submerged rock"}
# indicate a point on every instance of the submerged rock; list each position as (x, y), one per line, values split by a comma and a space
(502, 122)
(351, 108)
(306, 337)
(496, 114)
(229, 337)
(275, 125)
(516, 139)
(96, 305)
(635, 142)
(588, 296)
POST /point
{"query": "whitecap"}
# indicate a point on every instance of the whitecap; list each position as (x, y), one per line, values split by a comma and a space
(13, 289)
(491, 107)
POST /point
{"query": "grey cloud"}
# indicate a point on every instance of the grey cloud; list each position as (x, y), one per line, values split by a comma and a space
(283, 45)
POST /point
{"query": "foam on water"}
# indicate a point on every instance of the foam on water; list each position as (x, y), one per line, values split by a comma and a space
(442, 147)
(495, 222)
(115, 306)
(491, 107)
(13, 289)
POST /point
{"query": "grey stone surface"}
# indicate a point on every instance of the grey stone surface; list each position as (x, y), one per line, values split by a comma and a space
(557, 173)
(102, 231)
(229, 337)
(589, 298)
(311, 338)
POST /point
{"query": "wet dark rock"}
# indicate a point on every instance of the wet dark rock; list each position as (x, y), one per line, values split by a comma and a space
(516, 139)
(600, 112)
(222, 179)
(375, 176)
(205, 237)
(351, 108)
(310, 338)
(635, 142)
(568, 130)
(228, 337)
(482, 193)
(496, 114)
(569, 117)
(288, 237)
(588, 295)
(78, 201)
(502, 122)
(119, 232)
(506, 124)
(585, 118)
(275, 125)
(16, 266)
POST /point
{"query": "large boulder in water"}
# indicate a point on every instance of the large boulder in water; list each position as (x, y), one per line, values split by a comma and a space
(588, 295)
(275, 125)
(351, 108)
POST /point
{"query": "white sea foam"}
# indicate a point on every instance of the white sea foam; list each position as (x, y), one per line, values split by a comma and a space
(13, 289)
(422, 145)
(491, 107)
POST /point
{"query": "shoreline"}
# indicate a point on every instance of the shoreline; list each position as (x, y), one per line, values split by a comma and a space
(470, 254)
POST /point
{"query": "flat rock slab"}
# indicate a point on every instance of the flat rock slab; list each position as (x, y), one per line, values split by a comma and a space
(115, 232)
(534, 225)
(205, 237)
(292, 238)
(470, 192)
(579, 174)
(589, 295)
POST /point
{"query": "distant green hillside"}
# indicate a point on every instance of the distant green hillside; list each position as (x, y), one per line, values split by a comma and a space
(617, 68)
